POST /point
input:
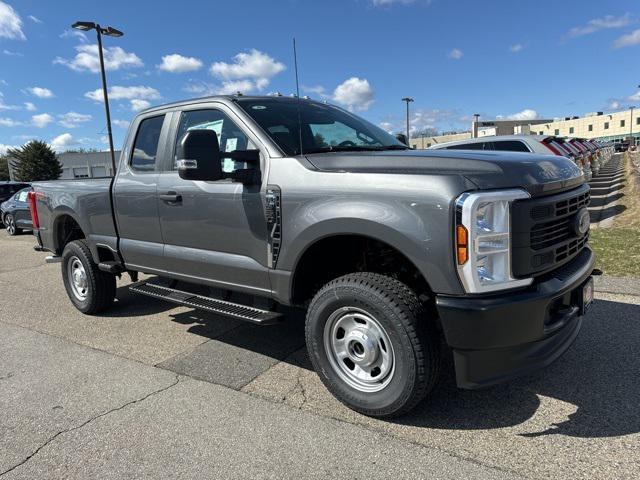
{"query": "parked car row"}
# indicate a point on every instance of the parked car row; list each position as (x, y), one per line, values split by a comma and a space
(588, 155)
(14, 209)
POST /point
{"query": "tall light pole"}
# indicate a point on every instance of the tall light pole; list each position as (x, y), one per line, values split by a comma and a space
(631, 140)
(408, 100)
(110, 32)
(474, 132)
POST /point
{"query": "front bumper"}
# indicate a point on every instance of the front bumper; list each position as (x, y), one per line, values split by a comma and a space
(499, 337)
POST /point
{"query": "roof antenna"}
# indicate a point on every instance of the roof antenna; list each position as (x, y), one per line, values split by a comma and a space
(295, 62)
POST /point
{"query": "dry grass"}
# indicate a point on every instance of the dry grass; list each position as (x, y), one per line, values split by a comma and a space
(618, 248)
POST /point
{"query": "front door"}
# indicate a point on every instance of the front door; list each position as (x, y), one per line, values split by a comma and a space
(214, 232)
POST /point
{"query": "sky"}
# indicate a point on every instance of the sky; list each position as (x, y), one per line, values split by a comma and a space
(501, 59)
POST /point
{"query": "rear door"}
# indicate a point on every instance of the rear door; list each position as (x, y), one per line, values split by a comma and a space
(135, 194)
(215, 232)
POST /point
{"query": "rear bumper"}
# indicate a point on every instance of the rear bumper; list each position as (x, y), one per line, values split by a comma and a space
(496, 338)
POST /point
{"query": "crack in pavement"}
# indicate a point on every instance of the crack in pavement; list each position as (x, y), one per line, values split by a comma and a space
(90, 420)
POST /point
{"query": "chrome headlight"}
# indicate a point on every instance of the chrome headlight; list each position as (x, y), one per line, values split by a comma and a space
(483, 240)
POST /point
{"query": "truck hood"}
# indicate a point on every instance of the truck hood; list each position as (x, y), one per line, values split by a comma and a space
(538, 174)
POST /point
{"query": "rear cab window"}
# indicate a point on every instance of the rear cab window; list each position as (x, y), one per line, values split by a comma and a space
(145, 147)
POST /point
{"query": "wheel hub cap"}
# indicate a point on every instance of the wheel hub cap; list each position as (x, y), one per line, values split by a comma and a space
(78, 278)
(359, 349)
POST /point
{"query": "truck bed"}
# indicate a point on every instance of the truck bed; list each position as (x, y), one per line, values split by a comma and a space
(86, 200)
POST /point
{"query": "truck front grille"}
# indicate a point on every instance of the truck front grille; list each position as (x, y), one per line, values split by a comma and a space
(544, 236)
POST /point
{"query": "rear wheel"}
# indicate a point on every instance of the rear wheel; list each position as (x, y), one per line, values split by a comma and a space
(10, 225)
(90, 289)
(372, 344)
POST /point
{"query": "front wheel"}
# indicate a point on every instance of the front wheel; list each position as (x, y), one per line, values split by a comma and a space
(90, 289)
(10, 225)
(372, 345)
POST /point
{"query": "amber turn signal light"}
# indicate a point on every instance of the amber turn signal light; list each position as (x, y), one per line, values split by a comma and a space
(462, 244)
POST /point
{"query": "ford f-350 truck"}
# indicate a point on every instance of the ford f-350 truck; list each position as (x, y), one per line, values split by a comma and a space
(394, 253)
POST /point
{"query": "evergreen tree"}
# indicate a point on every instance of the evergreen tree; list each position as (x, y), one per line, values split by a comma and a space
(35, 161)
(4, 168)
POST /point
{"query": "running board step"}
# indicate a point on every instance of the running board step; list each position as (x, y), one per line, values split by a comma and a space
(221, 307)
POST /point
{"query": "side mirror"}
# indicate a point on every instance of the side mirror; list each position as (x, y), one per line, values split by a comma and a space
(199, 154)
(402, 138)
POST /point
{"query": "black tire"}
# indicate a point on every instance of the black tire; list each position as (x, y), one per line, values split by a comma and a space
(100, 286)
(10, 225)
(414, 340)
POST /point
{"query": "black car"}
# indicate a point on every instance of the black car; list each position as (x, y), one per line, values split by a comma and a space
(621, 146)
(15, 214)
(7, 189)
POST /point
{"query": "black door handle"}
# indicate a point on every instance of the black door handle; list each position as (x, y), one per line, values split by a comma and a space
(171, 197)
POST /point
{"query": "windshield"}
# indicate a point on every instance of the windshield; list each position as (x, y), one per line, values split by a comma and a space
(325, 127)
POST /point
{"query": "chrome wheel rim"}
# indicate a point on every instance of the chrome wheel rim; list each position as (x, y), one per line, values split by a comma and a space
(359, 349)
(11, 224)
(77, 278)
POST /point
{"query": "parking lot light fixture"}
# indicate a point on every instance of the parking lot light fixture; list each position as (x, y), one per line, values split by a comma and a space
(407, 100)
(110, 32)
(84, 26)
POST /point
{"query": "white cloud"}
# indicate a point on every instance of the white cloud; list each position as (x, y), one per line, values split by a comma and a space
(71, 33)
(34, 19)
(315, 90)
(118, 92)
(4, 106)
(628, 40)
(29, 106)
(526, 114)
(11, 53)
(138, 104)
(384, 3)
(614, 105)
(176, 63)
(138, 96)
(203, 89)
(121, 123)
(4, 148)
(423, 120)
(40, 92)
(515, 48)
(87, 59)
(355, 93)
(608, 21)
(73, 119)
(10, 23)
(455, 54)
(255, 69)
(41, 120)
(234, 86)
(63, 141)
(9, 122)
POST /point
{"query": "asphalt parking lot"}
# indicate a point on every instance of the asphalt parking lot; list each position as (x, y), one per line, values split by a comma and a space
(151, 390)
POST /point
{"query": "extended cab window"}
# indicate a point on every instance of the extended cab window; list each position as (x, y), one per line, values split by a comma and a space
(230, 136)
(510, 146)
(145, 148)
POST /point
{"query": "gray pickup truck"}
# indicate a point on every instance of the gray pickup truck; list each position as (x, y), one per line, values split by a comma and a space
(399, 257)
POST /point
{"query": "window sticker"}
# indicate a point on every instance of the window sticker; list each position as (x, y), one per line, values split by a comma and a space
(232, 144)
(229, 165)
